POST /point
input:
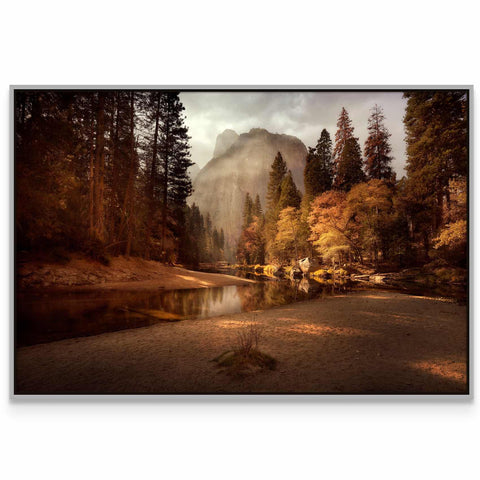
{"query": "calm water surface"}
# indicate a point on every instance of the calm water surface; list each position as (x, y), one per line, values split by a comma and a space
(45, 318)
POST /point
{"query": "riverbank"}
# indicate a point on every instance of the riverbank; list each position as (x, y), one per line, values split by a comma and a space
(364, 342)
(83, 274)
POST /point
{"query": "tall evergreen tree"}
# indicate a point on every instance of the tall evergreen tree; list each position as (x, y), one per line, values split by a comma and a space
(290, 196)
(377, 147)
(318, 168)
(152, 115)
(437, 151)
(343, 134)
(310, 175)
(347, 155)
(257, 207)
(247, 210)
(174, 152)
(349, 167)
(277, 174)
(436, 126)
(325, 155)
(123, 162)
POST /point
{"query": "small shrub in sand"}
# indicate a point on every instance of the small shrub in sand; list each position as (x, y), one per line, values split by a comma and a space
(244, 358)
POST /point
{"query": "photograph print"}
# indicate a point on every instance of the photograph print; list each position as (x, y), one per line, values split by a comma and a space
(236, 241)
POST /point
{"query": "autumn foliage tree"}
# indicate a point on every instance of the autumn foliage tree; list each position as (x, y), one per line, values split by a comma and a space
(451, 240)
(370, 206)
(290, 239)
(333, 230)
(251, 245)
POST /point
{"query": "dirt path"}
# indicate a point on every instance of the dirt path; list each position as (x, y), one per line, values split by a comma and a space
(365, 342)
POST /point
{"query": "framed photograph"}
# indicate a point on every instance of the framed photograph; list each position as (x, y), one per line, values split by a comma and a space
(182, 240)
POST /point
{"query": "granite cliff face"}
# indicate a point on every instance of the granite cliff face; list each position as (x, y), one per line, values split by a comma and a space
(241, 164)
(224, 141)
(193, 171)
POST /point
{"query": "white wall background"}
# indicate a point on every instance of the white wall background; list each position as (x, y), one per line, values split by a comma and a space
(218, 42)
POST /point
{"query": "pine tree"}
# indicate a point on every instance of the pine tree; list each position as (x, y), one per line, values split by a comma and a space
(290, 196)
(437, 151)
(277, 174)
(257, 207)
(347, 155)
(318, 168)
(152, 114)
(343, 134)
(349, 167)
(377, 147)
(247, 211)
(174, 151)
(324, 153)
(123, 162)
(436, 126)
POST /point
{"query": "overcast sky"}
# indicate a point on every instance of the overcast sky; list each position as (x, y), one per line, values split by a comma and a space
(302, 114)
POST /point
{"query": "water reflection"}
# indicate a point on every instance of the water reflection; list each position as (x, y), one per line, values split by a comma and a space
(46, 318)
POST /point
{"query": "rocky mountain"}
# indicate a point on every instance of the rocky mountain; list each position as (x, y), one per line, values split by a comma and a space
(193, 171)
(241, 164)
(224, 141)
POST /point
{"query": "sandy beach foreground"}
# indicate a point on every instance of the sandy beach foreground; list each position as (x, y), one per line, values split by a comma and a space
(364, 342)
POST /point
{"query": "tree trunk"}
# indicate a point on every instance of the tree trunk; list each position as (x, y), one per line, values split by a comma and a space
(91, 196)
(129, 196)
(153, 172)
(426, 244)
(112, 167)
(165, 182)
(99, 174)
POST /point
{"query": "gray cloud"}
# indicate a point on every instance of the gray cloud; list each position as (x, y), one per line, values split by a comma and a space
(303, 114)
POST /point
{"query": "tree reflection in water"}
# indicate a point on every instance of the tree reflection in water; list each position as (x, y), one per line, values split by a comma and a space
(47, 318)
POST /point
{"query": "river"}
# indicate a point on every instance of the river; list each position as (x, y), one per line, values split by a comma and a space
(48, 317)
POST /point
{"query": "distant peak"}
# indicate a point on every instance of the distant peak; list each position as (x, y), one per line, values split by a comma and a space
(224, 141)
(229, 131)
(257, 130)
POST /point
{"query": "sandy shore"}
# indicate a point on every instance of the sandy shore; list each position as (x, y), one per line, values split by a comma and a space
(132, 274)
(365, 342)
(170, 278)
